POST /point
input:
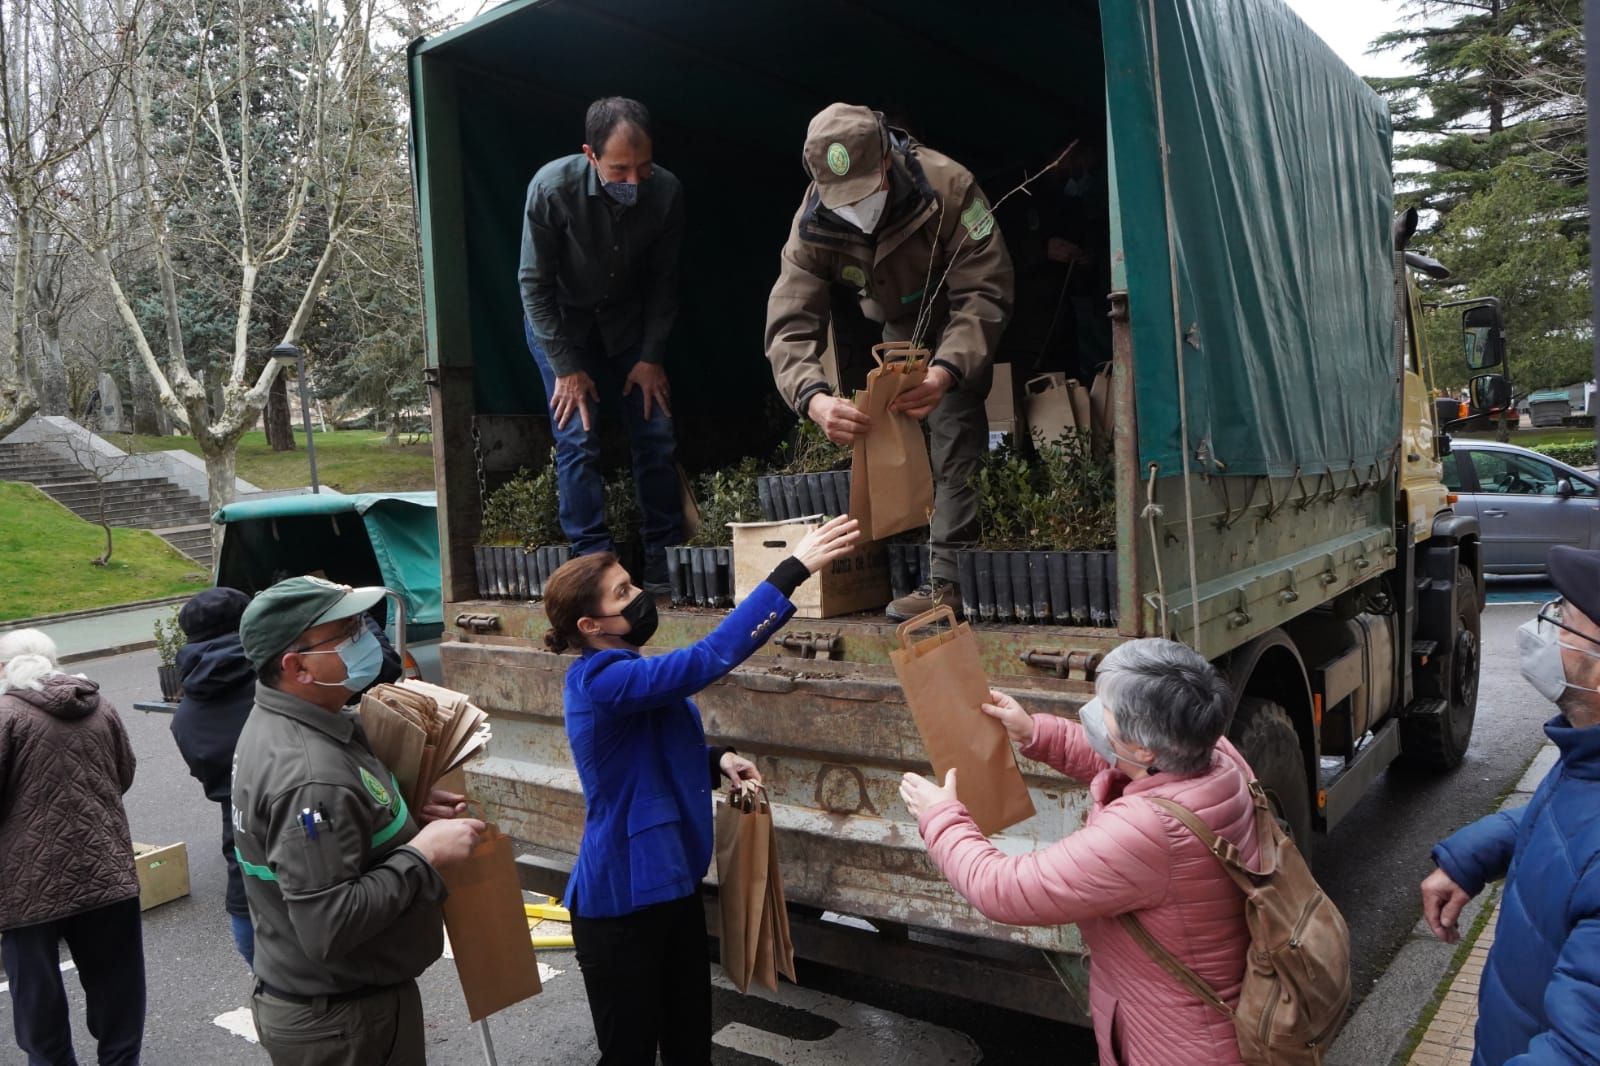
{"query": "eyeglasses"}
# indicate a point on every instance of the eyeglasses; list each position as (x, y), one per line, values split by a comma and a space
(1550, 615)
(349, 632)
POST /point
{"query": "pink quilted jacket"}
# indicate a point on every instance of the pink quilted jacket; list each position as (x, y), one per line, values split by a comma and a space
(1130, 856)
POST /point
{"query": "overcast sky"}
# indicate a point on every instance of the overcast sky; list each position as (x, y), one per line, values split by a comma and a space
(1351, 26)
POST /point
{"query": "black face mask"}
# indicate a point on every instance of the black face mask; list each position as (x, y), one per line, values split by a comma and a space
(642, 619)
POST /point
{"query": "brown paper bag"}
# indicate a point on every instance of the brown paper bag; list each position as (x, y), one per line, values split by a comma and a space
(488, 928)
(891, 480)
(944, 684)
(755, 919)
(1052, 405)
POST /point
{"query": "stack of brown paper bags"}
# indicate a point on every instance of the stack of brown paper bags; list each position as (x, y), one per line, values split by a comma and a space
(422, 732)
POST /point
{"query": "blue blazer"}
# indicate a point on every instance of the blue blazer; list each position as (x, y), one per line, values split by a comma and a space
(642, 758)
(1539, 1000)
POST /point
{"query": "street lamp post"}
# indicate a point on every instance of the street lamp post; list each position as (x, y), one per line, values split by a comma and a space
(287, 355)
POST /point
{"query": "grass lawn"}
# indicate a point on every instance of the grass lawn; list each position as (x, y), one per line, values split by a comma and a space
(49, 554)
(354, 460)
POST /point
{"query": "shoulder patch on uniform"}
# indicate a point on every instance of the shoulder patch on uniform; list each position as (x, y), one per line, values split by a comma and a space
(375, 788)
(978, 219)
(855, 276)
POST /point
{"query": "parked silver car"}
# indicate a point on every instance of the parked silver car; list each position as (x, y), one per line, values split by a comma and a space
(1525, 503)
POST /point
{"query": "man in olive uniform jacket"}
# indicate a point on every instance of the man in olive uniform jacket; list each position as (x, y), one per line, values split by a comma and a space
(886, 217)
(344, 890)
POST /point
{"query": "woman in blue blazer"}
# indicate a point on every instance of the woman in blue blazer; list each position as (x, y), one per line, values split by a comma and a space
(647, 775)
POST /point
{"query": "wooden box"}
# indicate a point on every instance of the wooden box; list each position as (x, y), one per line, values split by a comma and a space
(856, 582)
(163, 873)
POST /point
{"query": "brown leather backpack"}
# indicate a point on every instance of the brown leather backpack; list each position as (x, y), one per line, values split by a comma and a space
(1297, 971)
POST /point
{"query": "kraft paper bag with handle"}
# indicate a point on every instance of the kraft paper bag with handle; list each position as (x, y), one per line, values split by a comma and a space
(755, 919)
(891, 480)
(488, 927)
(944, 684)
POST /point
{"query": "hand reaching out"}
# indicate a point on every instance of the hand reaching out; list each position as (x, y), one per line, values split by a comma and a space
(827, 542)
(920, 794)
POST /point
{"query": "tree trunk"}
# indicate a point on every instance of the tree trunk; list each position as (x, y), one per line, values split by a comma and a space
(392, 434)
(105, 525)
(219, 487)
(280, 426)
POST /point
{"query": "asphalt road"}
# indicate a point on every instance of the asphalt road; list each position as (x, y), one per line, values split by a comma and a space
(198, 986)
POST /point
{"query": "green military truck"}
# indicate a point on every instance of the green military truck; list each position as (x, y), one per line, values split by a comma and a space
(1279, 504)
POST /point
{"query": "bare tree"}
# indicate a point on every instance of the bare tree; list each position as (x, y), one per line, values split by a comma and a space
(56, 69)
(101, 467)
(295, 193)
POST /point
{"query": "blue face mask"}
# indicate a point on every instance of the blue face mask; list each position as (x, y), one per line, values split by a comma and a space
(623, 192)
(362, 657)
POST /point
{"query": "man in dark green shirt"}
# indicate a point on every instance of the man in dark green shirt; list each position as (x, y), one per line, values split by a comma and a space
(599, 278)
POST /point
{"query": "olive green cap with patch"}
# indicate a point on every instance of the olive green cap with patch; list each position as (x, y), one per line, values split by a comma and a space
(845, 146)
(276, 618)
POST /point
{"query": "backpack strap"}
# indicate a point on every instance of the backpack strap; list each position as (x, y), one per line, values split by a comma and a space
(1224, 850)
(1172, 965)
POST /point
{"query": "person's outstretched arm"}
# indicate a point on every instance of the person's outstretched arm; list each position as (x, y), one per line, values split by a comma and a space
(620, 683)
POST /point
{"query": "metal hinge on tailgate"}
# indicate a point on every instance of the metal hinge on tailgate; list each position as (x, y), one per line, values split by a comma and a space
(809, 645)
(478, 623)
(1062, 662)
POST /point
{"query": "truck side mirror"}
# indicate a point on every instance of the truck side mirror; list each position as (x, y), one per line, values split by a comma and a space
(1490, 393)
(1483, 335)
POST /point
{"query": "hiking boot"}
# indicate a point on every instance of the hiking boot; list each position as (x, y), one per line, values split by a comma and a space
(924, 599)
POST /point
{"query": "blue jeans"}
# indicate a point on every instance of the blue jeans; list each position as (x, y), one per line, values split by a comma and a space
(579, 478)
(244, 938)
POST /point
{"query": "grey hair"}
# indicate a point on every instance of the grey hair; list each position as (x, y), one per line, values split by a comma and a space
(1165, 698)
(26, 642)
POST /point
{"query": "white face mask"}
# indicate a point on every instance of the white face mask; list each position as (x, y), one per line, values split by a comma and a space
(866, 213)
(1093, 719)
(1539, 646)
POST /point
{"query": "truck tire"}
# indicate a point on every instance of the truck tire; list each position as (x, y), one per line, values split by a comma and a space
(1437, 728)
(1267, 739)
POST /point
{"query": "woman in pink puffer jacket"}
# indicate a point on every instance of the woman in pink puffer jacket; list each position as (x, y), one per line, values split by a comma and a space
(1154, 728)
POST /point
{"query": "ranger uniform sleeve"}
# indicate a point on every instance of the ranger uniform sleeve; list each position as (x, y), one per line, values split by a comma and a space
(335, 901)
(980, 287)
(797, 322)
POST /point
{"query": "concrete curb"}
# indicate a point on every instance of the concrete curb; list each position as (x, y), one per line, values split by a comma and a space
(1376, 1034)
(101, 653)
(40, 621)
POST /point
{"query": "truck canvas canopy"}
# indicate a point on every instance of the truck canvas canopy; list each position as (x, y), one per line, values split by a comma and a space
(367, 538)
(1275, 245)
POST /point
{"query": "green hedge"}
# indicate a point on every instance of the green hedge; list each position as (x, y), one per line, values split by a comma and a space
(1579, 455)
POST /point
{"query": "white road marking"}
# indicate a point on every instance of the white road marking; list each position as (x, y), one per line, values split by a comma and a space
(239, 1023)
(865, 1034)
(68, 965)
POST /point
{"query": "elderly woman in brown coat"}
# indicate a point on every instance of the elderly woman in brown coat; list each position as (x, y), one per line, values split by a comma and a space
(65, 763)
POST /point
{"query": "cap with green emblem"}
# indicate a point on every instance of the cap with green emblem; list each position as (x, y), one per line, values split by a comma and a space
(845, 146)
(276, 618)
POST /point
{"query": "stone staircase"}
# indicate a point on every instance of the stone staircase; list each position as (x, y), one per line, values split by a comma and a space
(178, 517)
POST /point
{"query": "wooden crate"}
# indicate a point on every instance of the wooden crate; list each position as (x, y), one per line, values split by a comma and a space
(163, 873)
(856, 582)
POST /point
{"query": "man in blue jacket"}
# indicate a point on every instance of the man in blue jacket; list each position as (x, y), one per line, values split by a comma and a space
(1539, 1001)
